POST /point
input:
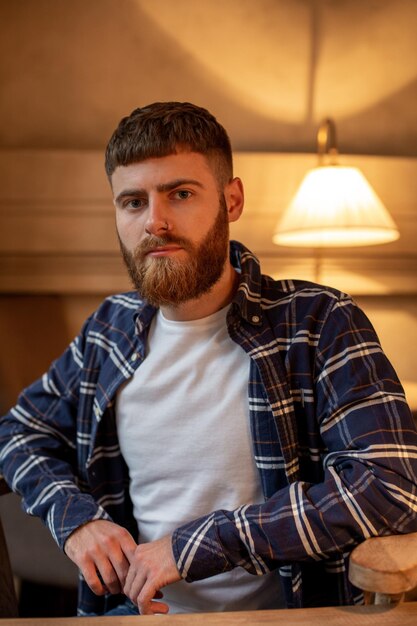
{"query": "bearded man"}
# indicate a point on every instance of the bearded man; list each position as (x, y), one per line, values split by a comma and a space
(214, 440)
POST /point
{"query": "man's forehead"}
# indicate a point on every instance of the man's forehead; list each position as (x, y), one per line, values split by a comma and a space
(162, 170)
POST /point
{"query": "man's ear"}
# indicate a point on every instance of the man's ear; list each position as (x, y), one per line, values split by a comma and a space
(234, 196)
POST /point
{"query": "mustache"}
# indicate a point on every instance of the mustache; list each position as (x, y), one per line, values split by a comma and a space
(152, 242)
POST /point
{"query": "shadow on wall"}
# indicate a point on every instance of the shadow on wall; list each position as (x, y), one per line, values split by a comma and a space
(32, 333)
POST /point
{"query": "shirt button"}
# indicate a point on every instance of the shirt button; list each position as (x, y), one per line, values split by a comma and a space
(133, 357)
(255, 319)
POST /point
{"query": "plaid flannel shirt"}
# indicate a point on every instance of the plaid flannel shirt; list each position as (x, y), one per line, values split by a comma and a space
(333, 439)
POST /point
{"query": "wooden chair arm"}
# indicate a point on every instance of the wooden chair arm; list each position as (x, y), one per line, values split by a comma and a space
(386, 566)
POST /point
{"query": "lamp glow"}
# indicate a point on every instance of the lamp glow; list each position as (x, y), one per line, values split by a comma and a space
(335, 206)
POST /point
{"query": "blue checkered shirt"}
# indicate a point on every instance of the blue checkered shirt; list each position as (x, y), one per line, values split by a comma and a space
(333, 439)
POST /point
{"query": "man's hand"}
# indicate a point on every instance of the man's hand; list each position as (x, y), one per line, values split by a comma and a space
(102, 550)
(151, 568)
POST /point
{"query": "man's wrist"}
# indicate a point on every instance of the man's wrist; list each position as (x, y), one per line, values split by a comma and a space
(76, 516)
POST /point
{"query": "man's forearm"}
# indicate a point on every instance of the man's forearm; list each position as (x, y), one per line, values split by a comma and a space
(299, 523)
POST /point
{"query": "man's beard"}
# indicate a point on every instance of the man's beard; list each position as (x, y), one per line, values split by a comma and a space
(170, 282)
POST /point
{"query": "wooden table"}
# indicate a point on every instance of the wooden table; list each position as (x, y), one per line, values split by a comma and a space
(404, 614)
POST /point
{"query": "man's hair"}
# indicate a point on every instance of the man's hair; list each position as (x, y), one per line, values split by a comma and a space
(165, 128)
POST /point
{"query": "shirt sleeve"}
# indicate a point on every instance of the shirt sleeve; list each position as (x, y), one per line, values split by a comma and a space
(38, 456)
(369, 468)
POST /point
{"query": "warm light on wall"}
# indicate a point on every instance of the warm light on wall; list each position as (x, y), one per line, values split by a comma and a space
(334, 205)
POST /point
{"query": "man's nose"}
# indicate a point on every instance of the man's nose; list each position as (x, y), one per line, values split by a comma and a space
(157, 221)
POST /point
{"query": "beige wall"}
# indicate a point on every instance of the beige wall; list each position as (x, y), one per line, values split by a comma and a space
(395, 320)
(71, 69)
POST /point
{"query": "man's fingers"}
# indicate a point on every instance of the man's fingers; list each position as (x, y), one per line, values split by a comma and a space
(128, 547)
(100, 573)
(146, 603)
(134, 584)
(108, 576)
(102, 550)
(120, 566)
(129, 584)
(156, 608)
(92, 579)
(152, 568)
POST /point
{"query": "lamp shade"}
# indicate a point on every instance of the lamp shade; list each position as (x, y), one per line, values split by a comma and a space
(335, 206)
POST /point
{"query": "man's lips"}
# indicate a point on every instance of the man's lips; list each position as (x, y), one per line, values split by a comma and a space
(163, 250)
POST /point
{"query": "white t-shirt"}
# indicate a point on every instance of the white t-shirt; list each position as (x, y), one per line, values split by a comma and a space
(183, 427)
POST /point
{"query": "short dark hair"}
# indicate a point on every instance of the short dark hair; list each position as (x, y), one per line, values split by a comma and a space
(164, 128)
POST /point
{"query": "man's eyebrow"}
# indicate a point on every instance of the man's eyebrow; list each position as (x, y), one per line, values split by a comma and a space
(163, 187)
(129, 193)
(178, 183)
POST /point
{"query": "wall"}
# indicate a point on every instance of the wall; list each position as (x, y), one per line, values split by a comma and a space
(395, 320)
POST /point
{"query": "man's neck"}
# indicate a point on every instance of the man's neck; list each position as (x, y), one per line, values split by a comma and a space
(219, 296)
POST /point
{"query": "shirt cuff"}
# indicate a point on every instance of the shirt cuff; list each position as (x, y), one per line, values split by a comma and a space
(198, 551)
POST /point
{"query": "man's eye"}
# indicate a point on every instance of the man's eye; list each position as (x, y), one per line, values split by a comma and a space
(183, 194)
(136, 203)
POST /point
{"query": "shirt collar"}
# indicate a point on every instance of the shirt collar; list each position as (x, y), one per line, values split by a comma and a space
(143, 316)
(247, 299)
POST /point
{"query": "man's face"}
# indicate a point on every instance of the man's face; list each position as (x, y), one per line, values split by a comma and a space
(173, 226)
